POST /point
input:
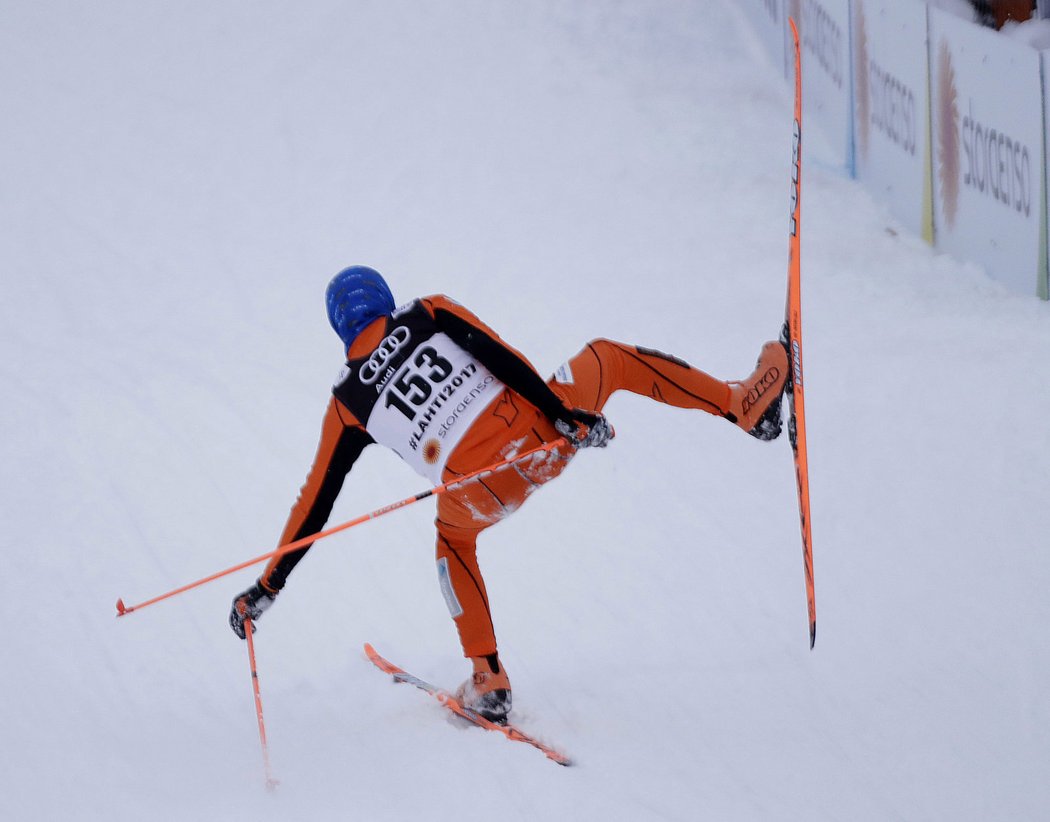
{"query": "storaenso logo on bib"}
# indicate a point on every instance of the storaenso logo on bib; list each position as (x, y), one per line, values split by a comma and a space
(431, 451)
(451, 392)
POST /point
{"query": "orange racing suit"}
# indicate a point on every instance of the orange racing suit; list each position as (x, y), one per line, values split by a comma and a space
(439, 387)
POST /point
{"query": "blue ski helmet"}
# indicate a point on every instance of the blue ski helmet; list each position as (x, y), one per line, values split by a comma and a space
(356, 296)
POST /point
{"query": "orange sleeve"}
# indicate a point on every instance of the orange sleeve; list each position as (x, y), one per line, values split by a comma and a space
(342, 441)
(441, 302)
(506, 363)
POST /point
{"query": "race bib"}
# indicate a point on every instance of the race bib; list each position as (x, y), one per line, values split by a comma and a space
(424, 409)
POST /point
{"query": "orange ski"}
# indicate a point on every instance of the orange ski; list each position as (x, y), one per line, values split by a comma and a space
(791, 336)
(510, 731)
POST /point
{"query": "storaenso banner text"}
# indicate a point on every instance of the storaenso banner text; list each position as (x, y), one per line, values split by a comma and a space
(890, 94)
(770, 23)
(987, 127)
(826, 73)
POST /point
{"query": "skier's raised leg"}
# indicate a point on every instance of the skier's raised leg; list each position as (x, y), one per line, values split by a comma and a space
(604, 367)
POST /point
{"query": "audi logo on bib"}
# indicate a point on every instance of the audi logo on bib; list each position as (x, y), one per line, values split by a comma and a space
(393, 343)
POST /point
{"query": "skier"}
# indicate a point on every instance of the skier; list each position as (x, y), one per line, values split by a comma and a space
(435, 384)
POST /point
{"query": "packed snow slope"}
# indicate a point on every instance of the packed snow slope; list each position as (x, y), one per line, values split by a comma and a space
(180, 182)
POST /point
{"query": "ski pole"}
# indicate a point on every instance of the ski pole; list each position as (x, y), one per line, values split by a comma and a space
(271, 783)
(123, 610)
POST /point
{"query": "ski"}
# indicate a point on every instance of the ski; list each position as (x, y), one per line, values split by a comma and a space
(510, 731)
(791, 336)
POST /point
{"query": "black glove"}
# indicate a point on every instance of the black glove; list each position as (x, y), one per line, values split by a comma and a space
(250, 604)
(584, 429)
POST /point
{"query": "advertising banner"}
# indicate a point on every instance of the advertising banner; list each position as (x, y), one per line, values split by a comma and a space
(987, 130)
(827, 87)
(767, 19)
(891, 108)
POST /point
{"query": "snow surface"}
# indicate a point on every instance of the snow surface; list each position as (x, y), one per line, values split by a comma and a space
(181, 180)
(1035, 32)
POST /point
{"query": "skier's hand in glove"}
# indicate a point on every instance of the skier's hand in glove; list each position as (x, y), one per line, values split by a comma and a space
(584, 429)
(250, 604)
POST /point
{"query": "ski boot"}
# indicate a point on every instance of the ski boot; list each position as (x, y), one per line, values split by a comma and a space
(754, 403)
(487, 692)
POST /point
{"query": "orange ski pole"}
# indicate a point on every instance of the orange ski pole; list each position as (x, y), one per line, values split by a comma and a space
(271, 783)
(123, 609)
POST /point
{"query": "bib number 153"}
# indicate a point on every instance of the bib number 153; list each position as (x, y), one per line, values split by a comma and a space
(414, 385)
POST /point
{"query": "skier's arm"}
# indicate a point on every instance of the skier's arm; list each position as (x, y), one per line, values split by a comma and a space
(342, 441)
(337, 452)
(508, 365)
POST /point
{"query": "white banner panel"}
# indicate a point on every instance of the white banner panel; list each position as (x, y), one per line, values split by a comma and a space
(891, 107)
(826, 68)
(768, 20)
(987, 107)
